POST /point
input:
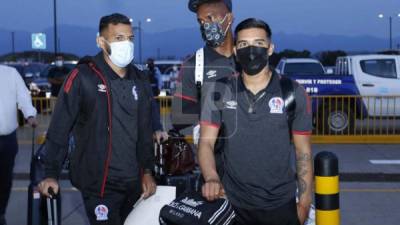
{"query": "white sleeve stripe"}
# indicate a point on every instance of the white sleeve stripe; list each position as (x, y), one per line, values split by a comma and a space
(218, 212)
(228, 221)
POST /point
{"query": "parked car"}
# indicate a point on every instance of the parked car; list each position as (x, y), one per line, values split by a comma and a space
(28, 71)
(42, 84)
(303, 66)
(376, 78)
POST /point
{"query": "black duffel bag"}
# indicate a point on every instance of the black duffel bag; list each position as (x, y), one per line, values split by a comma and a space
(194, 209)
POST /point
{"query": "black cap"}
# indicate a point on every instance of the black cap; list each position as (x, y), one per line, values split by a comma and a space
(194, 4)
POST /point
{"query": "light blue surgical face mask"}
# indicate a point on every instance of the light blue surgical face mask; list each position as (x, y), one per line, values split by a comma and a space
(121, 53)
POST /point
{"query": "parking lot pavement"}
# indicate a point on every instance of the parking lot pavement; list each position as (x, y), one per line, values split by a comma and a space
(354, 161)
(361, 203)
(370, 191)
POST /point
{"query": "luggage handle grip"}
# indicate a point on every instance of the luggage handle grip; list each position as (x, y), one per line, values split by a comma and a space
(51, 192)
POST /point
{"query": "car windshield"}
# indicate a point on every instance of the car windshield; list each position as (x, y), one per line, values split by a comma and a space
(304, 68)
(34, 70)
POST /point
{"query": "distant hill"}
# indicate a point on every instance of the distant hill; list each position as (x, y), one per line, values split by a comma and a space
(181, 42)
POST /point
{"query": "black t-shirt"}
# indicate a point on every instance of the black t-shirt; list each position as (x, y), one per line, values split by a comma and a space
(257, 151)
(57, 72)
(125, 96)
(186, 101)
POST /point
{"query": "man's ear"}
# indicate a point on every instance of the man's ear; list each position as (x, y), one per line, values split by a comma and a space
(234, 50)
(271, 49)
(101, 43)
(98, 41)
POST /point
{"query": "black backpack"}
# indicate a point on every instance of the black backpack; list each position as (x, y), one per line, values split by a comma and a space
(289, 97)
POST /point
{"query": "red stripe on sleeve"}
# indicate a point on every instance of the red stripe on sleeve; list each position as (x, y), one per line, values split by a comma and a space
(210, 124)
(306, 133)
(71, 78)
(185, 97)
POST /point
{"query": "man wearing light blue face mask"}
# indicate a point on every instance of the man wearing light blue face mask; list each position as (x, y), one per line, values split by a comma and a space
(106, 103)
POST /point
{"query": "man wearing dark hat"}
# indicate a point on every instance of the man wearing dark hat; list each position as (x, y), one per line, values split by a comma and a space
(212, 62)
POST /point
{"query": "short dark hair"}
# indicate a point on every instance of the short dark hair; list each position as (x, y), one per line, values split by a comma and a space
(253, 23)
(114, 19)
(195, 4)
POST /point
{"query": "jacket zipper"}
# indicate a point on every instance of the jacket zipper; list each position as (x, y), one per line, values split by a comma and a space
(107, 163)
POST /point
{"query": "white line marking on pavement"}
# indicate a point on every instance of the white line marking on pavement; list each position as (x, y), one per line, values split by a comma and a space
(385, 162)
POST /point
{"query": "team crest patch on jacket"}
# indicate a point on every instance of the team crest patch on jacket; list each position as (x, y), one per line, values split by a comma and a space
(101, 212)
(276, 105)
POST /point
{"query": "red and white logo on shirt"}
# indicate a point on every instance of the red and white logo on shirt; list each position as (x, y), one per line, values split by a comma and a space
(276, 105)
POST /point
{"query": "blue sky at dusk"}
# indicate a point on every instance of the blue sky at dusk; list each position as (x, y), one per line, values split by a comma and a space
(339, 17)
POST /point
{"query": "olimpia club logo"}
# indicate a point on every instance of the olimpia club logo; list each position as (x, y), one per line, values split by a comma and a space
(192, 202)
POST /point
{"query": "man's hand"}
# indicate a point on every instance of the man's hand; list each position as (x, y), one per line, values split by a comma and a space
(212, 190)
(46, 184)
(32, 121)
(149, 185)
(160, 136)
(302, 212)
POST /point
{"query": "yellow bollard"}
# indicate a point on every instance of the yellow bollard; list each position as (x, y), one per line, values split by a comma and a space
(326, 169)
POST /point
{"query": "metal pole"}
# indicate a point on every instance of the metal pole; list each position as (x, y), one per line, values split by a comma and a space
(390, 32)
(59, 44)
(13, 42)
(55, 28)
(140, 42)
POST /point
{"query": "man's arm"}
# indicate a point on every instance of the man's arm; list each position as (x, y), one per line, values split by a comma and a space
(212, 189)
(24, 100)
(209, 128)
(304, 174)
(57, 140)
(302, 130)
(145, 145)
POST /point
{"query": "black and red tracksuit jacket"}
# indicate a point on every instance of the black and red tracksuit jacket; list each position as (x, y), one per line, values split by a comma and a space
(84, 108)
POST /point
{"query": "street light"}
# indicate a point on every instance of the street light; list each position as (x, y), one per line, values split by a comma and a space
(381, 16)
(55, 27)
(139, 27)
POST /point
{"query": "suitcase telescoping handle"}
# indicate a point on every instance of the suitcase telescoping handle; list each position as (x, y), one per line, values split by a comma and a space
(52, 216)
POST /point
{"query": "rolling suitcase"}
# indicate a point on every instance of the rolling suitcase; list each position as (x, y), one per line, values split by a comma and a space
(37, 204)
(52, 209)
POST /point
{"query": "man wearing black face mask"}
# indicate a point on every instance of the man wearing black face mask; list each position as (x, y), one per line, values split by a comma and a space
(258, 178)
(211, 63)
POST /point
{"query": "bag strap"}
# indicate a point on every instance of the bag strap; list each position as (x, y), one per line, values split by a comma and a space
(199, 69)
(289, 97)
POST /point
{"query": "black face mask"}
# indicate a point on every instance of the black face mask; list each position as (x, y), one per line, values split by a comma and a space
(253, 59)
